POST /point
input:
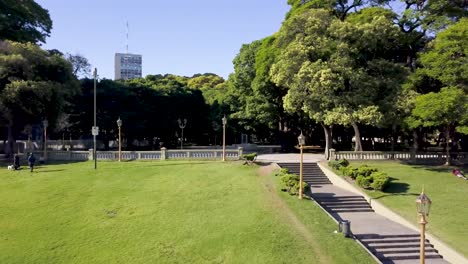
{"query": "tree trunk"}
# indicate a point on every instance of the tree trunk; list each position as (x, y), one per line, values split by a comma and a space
(11, 140)
(448, 159)
(415, 140)
(394, 137)
(328, 140)
(357, 137)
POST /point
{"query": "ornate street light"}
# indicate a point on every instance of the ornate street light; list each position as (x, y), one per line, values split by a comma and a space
(182, 125)
(224, 119)
(423, 205)
(45, 123)
(119, 124)
(301, 140)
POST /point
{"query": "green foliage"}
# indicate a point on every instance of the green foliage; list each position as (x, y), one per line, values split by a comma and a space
(447, 57)
(338, 164)
(282, 171)
(349, 171)
(364, 181)
(291, 184)
(34, 85)
(365, 170)
(249, 157)
(24, 21)
(380, 181)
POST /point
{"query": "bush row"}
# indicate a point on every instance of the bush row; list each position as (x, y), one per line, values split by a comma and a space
(365, 176)
(290, 182)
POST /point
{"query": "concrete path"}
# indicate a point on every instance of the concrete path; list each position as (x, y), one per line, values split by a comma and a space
(293, 157)
(389, 241)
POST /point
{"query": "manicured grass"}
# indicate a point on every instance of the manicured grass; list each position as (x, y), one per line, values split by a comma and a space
(157, 212)
(448, 218)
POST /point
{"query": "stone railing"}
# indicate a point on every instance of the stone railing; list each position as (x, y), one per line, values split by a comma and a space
(163, 154)
(390, 155)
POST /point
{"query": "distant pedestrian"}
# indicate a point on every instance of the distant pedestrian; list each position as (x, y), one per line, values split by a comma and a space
(31, 161)
(16, 162)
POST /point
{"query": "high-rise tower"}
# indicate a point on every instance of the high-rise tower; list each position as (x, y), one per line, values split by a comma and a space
(126, 65)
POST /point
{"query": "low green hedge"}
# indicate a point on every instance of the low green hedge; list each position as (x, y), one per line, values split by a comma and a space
(249, 157)
(365, 176)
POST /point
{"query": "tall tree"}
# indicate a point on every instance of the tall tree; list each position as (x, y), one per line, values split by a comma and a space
(24, 21)
(338, 72)
(34, 85)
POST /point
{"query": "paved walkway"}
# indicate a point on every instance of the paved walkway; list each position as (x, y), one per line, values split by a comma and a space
(379, 234)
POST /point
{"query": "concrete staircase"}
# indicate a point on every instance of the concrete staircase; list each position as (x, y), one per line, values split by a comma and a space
(389, 242)
(389, 248)
(311, 173)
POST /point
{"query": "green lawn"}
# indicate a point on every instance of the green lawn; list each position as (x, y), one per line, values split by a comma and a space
(161, 212)
(448, 218)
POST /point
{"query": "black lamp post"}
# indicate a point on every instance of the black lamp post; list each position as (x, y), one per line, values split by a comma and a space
(182, 125)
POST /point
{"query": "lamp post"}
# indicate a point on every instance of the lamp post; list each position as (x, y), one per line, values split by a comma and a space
(182, 125)
(301, 140)
(224, 137)
(95, 129)
(45, 123)
(119, 124)
(423, 204)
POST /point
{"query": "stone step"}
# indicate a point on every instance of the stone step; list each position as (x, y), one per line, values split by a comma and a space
(392, 240)
(402, 250)
(367, 236)
(403, 256)
(343, 210)
(379, 246)
(327, 201)
(348, 206)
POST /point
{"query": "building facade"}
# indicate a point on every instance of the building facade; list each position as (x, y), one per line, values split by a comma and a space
(127, 66)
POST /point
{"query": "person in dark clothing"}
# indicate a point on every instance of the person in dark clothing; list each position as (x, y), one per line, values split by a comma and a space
(16, 162)
(31, 161)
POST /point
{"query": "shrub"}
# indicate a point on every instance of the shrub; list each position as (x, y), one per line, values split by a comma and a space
(349, 171)
(338, 164)
(343, 162)
(366, 171)
(291, 184)
(334, 164)
(380, 181)
(363, 181)
(249, 157)
(282, 172)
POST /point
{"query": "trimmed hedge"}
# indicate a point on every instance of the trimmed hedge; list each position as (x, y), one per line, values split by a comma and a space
(365, 176)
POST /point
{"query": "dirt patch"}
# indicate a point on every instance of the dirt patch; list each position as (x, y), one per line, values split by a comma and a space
(265, 173)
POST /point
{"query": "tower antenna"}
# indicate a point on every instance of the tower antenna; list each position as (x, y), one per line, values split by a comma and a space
(126, 46)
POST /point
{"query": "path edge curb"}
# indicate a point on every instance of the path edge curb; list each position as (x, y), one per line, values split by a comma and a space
(448, 253)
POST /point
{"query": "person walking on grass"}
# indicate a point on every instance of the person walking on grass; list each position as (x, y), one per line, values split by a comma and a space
(16, 162)
(31, 161)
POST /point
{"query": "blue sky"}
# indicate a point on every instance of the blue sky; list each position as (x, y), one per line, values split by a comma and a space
(181, 37)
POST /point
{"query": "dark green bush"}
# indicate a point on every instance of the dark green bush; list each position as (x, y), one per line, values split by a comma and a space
(343, 163)
(366, 171)
(363, 181)
(249, 157)
(338, 164)
(282, 172)
(350, 172)
(334, 164)
(380, 180)
(291, 184)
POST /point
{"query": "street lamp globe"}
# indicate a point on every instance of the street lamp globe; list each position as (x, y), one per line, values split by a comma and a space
(423, 204)
(301, 139)
(224, 119)
(119, 122)
(45, 123)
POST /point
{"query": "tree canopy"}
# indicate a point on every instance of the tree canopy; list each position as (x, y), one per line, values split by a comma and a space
(24, 21)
